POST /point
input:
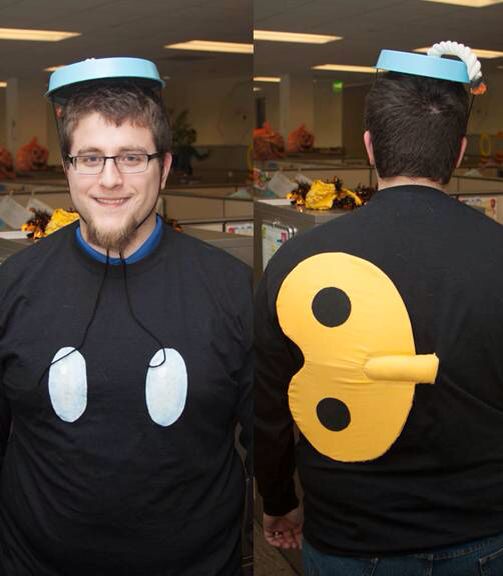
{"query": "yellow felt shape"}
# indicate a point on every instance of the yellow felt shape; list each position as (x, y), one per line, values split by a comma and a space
(321, 196)
(355, 390)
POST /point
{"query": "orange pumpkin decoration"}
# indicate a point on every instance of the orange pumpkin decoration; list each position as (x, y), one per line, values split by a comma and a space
(6, 164)
(31, 157)
(300, 140)
(267, 144)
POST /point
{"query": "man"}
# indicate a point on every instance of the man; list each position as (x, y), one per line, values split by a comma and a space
(380, 335)
(125, 354)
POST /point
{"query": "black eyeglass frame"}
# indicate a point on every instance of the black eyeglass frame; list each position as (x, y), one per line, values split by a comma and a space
(73, 159)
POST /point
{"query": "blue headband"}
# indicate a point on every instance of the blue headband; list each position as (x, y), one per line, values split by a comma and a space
(422, 65)
(104, 68)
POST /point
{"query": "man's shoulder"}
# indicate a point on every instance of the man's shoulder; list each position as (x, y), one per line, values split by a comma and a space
(202, 254)
(35, 258)
(481, 221)
(337, 234)
(206, 271)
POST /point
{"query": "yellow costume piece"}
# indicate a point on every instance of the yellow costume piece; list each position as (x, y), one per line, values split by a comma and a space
(59, 219)
(353, 395)
(320, 196)
(355, 197)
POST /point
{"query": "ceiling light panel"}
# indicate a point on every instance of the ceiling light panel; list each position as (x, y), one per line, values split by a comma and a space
(35, 35)
(274, 36)
(209, 46)
(468, 3)
(267, 79)
(346, 68)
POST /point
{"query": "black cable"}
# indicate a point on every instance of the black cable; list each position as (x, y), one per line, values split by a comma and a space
(91, 320)
(140, 324)
(469, 112)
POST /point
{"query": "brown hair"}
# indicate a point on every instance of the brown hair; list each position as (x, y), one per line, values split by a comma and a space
(117, 102)
(417, 125)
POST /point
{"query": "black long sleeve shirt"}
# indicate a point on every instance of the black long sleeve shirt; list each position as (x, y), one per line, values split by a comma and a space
(440, 482)
(101, 475)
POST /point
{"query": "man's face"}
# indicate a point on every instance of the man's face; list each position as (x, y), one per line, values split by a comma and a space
(112, 204)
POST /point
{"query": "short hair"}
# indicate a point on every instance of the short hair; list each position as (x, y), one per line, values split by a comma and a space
(417, 125)
(117, 102)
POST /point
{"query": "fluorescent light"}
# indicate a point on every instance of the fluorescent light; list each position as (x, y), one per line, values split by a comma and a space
(273, 36)
(468, 3)
(346, 68)
(267, 79)
(36, 35)
(3, 84)
(207, 46)
(53, 68)
(257, 89)
(479, 52)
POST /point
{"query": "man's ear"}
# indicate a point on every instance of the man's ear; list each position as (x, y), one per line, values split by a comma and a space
(367, 140)
(462, 151)
(166, 165)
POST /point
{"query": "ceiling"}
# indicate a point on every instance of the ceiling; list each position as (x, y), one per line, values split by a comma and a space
(367, 26)
(135, 28)
(127, 28)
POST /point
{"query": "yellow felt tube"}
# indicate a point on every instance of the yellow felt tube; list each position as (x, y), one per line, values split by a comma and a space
(420, 368)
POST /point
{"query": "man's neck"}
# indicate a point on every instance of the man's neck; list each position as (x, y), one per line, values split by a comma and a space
(142, 234)
(407, 181)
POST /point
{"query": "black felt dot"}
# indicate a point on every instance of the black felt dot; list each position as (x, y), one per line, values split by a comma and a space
(333, 414)
(331, 307)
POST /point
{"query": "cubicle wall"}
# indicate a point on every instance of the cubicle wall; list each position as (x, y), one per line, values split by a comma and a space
(205, 203)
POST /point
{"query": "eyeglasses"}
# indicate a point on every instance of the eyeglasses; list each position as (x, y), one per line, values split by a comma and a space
(130, 163)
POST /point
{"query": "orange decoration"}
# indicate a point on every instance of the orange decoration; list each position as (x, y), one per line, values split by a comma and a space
(31, 157)
(267, 144)
(6, 164)
(479, 89)
(300, 140)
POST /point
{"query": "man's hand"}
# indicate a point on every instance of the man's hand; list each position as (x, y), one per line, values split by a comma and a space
(284, 531)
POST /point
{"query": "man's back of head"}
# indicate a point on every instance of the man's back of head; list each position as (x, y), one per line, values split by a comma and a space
(417, 126)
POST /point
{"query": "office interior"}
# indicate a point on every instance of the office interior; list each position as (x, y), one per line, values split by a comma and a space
(219, 191)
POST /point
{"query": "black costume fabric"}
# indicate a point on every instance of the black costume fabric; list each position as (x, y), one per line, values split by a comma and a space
(439, 483)
(112, 489)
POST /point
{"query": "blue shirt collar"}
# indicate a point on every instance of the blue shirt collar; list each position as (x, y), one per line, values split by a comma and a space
(145, 249)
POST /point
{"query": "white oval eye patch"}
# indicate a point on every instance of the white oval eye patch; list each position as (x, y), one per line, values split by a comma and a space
(68, 384)
(166, 387)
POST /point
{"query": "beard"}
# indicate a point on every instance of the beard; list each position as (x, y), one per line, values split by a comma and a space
(112, 240)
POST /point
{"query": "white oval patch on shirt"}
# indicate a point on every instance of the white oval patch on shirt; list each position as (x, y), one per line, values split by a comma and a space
(166, 387)
(68, 384)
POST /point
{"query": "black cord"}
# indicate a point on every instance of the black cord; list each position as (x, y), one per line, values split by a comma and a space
(140, 324)
(469, 112)
(91, 320)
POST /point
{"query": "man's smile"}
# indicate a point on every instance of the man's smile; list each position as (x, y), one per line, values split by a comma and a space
(112, 202)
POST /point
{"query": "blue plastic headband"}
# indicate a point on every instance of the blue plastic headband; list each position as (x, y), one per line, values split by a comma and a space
(423, 65)
(102, 68)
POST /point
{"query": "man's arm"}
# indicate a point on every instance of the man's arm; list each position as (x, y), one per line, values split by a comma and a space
(5, 423)
(276, 361)
(245, 409)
